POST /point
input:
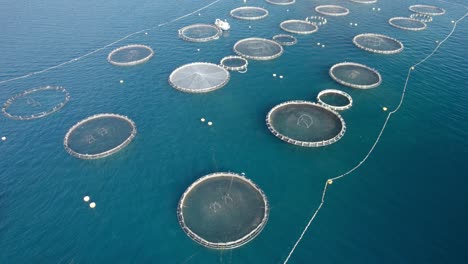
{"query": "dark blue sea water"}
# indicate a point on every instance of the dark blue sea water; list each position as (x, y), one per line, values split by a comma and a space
(406, 204)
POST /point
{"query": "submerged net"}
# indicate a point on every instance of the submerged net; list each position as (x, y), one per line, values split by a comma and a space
(235, 63)
(427, 10)
(36, 103)
(130, 55)
(407, 23)
(223, 210)
(378, 43)
(200, 33)
(421, 17)
(305, 124)
(249, 13)
(99, 136)
(355, 75)
(298, 26)
(199, 77)
(335, 99)
(281, 2)
(258, 49)
(285, 40)
(332, 10)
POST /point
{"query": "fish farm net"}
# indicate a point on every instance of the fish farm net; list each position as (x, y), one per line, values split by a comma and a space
(332, 10)
(199, 77)
(234, 63)
(223, 210)
(130, 55)
(281, 2)
(407, 23)
(298, 26)
(335, 99)
(421, 17)
(316, 20)
(99, 136)
(378, 43)
(427, 10)
(355, 75)
(249, 13)
(36, 103)
(305, 124)
(258, 49)
(364, 1)
(200, 33)
(285, 40)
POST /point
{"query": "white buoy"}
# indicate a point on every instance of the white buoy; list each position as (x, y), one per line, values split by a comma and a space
(350, 23)
(323, 46)
(250, 26)
(198, 49)
(384, 108)
(287, 10)
(330, 182)
(274, 74)
(437, 41)
(199, 14)
(318, 43)
(378, 9)
(412, 68)
(86, 198)
(355, 24)
(3, 138)
(281, 76)
(121, 81)
(146, 33)
(373, 8)
(453, 22)
(210, 123)
(92, 205)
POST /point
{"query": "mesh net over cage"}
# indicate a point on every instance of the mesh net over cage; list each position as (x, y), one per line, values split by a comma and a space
(200, 33)
(378, 43)
(99, 136)
(305, 124)
(421, 17)
(249, 13)
(355, 75)
(285, 40)
(223, 210)
(407, 23)
(281, 2)
(36, 103)
(335, 99)
(234, 63)
(199, 77)
(258, 49)
(427, 10)
(298, 26)
(130, 55)
(332, 10)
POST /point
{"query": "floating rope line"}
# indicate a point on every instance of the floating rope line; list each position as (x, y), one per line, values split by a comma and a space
(106, 46)
(330, 181)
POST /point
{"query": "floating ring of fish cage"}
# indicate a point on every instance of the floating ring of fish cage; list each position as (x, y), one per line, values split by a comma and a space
(378, 43)
(364, 1)
(41, 102)
(332, 10)
(421, 17)
(305, 124)
(99, 136)
(355, 75)
(298, 26)
(223, 210)
(317, 20)
(427, 10)
(340, 100)
(285, 39)
(234, 63)
(130, 55)
(200, 32)
(249, 13)
(258, 49)
(281, 2)
(199, 77)
(407, 23)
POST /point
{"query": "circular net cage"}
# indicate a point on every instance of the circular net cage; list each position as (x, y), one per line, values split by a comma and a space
(421, 17)
(130, 55)
(200, 33)
(407, 23)
(298, 27)
(99, 136)
(364, 1)
(316, 20)
(285, 40)
(223, 210)
(305, 124)
(355, 75)
(332, 10)
(281, 2)
(378, 43)
(427, 10)
(199, 77)
(235, 63)
(335, 99)
(36, 103)
(258, 49)
(249, 13)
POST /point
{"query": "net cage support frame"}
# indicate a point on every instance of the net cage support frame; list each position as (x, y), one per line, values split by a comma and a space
(346, 10)
(260, 58)
(132, 63)
(390, 21)
(357, 86)
(376, 50)
(249, 18)
(334, 107)
(204, 90)
(218, 34)
(296, 31)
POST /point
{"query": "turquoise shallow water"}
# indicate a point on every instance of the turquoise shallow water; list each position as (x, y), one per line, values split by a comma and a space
(406, 204)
